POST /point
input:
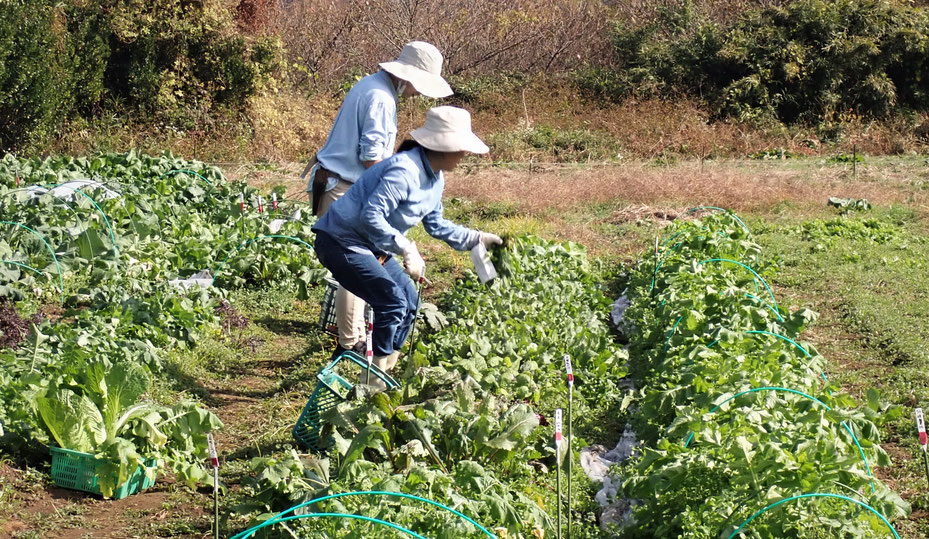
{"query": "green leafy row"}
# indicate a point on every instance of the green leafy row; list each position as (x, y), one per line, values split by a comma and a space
(95, 262)
(734, 409)
(471, 427)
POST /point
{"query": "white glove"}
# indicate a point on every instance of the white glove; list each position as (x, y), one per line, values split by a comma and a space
(489, 240)
(414, 264)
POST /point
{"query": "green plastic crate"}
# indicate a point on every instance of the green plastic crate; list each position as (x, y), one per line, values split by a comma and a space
(331, 389)
(76, 470)
(327, 320)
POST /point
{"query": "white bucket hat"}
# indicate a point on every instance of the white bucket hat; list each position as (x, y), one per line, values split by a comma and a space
(448, 129)
(420, 64)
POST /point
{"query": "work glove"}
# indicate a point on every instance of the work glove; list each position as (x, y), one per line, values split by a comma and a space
(490, 240)
(413, 263)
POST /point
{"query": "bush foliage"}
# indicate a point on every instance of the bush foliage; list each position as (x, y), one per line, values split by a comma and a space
(160, 58)
(805, 61)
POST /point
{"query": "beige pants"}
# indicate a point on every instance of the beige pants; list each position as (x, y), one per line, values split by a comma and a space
(349, 309)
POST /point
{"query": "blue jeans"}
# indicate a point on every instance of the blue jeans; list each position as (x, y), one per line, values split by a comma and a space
(387, 289)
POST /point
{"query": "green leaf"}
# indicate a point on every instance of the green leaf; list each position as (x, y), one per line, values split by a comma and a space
(74, 420)
(517, 424)
(371, 436)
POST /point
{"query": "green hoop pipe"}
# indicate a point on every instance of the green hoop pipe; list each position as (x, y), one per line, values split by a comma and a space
(374, 493)
(106, 221)
(802, 394)
(791, 341)
(661, 261)
(61, 282)
(817, 495)
(187, 171)
(330, 515)
(676, 234)
(100, 210)
(77, 217)
(766, 304)
(673, 329)
(730, 212)
(249, 242)
(21, 265)
(754, 273)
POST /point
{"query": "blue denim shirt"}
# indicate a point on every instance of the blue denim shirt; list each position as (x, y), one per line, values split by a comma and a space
(365, 128)
(387, 200)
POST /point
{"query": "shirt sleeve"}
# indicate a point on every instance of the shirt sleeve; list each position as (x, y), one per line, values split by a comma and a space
(378, 127)
(456, 236)
(392, 188)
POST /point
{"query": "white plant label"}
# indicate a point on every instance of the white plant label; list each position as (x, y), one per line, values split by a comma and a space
(558, 426)
(921, 427)
(214, 460)
(567, 368)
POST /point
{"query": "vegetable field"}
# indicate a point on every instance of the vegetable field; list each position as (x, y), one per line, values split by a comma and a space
(148, 302)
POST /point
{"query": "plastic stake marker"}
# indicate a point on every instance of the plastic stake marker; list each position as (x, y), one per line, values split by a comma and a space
(369, 342)
(419, 303)
(261, 208)
(274, 201)
(923, 439)
(214, 462)
(570, 372)
(558, 440)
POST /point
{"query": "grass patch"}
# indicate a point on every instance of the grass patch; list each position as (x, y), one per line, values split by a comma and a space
(866, 275)
(546, 143)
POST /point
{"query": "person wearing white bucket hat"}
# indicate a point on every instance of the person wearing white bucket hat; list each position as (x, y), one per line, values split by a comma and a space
(363, 233)
(363, 134)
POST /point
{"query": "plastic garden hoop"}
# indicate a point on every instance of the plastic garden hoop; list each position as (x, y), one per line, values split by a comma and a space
(54, 199)
(252, 531)
(102, 214)
(249, 242)
(817, 495)
(779, 336)
(25, 266)
(61, 283)
(754, 274)
(278, 517)
(802, 394)
(186, 171)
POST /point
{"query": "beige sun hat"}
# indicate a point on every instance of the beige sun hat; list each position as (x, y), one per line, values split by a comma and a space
(420, 64)
(448, 129)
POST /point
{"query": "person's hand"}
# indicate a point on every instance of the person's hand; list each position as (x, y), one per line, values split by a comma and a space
(413, 263)
(489, 240)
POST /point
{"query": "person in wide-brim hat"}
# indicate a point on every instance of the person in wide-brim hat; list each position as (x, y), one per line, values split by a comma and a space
(363, 233)
(364, 133)
(420, 64)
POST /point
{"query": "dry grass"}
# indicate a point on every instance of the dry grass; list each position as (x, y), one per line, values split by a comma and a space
(738, 185)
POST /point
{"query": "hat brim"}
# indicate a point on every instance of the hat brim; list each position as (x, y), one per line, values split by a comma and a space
(449, 142)
(425, 83)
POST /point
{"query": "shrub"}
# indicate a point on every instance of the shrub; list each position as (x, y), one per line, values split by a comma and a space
(164, 58)
(30, 71)
(804, 62)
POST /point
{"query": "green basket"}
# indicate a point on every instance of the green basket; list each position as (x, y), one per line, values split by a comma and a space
(327, 319)
(331, 389)
(78, 471)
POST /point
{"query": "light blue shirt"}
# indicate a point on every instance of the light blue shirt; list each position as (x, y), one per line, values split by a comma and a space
(390, 198)
(365, 128)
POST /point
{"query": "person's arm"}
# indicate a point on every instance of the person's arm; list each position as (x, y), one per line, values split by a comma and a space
(378, 130)
(456, 236)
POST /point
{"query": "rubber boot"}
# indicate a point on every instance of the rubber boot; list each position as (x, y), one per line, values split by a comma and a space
(384, 363)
